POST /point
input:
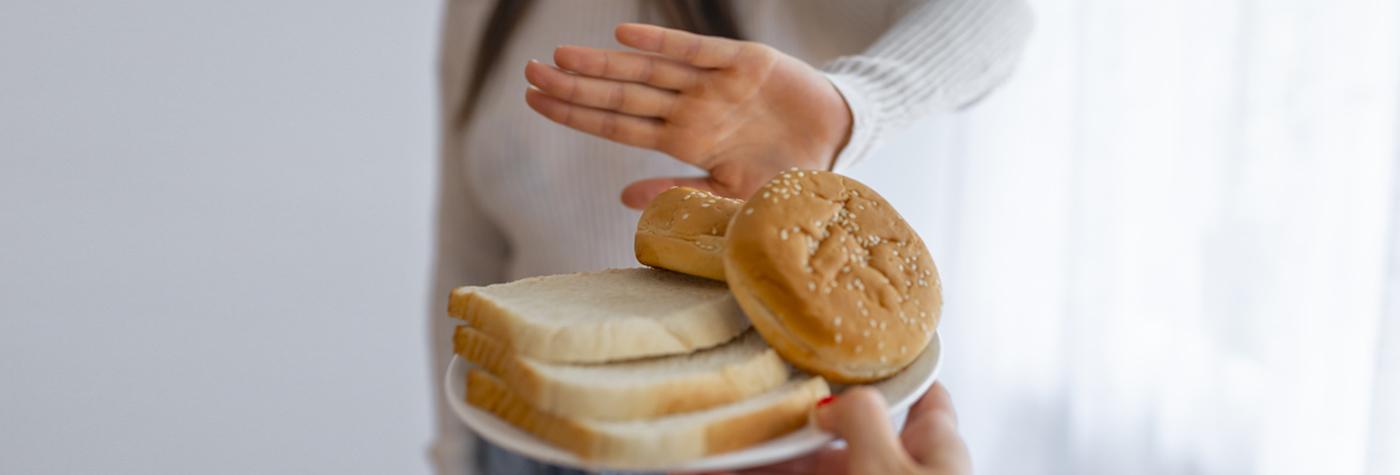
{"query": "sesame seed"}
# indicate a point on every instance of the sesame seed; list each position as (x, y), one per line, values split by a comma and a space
(858, 348)
(883, 359)
(837, 321)
(812, 286)
(748, 211)
(783, 234)
(865, 333)
(685, 215)
(838, 337)
(704, 205)
(903, 349)
(880, 345)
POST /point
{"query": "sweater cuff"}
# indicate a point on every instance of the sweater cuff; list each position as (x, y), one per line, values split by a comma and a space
(863, 135)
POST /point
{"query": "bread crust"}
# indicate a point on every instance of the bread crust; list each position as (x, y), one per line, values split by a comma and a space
(833, 277)
(490, 394)
(730, 383)
(635, 448)
(683, 230)
(783, 417)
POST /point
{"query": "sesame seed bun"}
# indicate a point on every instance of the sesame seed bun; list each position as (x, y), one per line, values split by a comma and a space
(683, 230)
(833, 277)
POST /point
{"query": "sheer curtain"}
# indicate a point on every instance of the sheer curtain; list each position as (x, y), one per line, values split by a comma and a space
(1170, 243)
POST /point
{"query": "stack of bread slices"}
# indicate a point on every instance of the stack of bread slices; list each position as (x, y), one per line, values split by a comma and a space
(650, 366)
(627, 366)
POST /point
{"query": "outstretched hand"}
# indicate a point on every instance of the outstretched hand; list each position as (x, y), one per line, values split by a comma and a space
(929, 444)
(741, 111)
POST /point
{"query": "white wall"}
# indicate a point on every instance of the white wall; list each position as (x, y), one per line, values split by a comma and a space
(214, 220)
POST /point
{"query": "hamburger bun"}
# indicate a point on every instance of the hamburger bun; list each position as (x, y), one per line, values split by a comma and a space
(833, 277)
(683, 230)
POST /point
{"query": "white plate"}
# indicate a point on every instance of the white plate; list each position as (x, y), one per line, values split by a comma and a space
(901, 391)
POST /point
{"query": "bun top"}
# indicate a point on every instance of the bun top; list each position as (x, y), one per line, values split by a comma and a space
(684, 211)
(833, 277)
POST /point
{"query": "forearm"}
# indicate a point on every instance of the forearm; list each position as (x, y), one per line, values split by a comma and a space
(938, 55)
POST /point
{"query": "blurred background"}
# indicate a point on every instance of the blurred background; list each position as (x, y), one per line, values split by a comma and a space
(1170, 244)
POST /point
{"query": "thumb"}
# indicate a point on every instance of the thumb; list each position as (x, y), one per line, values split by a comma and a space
(861, 417)
(640, 193)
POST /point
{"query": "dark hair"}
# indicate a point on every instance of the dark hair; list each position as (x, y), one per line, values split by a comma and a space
(706, 17)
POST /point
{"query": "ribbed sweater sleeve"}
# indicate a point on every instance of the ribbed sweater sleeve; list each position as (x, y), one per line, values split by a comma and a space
(937, 55)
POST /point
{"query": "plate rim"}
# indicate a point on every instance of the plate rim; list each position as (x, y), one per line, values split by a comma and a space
(789, 446)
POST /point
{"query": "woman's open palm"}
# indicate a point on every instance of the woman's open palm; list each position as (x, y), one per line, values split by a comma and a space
(740, 110)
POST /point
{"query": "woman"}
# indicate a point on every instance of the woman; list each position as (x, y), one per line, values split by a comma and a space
(522, 196)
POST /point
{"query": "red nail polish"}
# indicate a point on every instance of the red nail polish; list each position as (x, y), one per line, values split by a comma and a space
(826, 400)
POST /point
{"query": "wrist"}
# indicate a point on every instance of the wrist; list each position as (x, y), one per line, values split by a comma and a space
(860, 137)
(827, 133)
(840, 121)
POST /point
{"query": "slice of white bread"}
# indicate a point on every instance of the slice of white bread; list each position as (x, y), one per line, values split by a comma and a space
(633, 389)
(603, 316)
(676, 438)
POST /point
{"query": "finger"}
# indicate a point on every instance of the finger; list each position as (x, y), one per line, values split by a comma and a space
(931, 434)
(627, 66)
(628, 98)
(690, 48)
(860, 416)
(936, 399)
(621, 128)
(639, 194)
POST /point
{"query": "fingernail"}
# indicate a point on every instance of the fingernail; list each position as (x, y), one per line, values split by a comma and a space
(820, 412)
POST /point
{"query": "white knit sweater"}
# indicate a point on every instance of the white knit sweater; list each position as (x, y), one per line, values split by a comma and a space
(523, 196)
